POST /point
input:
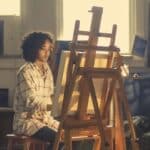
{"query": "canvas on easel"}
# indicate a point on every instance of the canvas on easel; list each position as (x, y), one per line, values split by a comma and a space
(100, 61)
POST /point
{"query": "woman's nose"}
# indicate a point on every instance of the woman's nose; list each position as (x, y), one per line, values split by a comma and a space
(47, 52)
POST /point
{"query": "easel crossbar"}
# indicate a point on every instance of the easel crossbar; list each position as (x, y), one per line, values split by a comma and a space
(90, 47)
(98, 72)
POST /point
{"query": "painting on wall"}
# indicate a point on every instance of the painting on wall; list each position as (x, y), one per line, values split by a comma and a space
(139, 46)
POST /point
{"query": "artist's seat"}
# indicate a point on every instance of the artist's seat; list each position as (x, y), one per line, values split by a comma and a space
(26, 142)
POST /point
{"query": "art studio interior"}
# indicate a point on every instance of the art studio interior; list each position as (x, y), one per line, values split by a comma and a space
(75, 75)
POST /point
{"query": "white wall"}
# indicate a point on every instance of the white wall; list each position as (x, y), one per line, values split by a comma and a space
(37, 15)
(8, 70)
(41, 16)
(11, 34)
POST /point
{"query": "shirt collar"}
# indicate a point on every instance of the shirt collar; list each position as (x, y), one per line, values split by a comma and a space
(34, 65)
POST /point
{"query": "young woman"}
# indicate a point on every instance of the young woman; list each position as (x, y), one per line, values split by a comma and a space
(32, 103)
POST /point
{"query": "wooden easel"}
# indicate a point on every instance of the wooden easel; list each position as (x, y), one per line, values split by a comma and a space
(110, 136)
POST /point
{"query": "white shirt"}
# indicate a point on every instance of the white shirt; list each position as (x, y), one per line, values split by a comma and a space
(33, 93)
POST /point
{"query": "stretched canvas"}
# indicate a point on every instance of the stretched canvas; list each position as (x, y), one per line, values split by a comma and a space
(100, 61)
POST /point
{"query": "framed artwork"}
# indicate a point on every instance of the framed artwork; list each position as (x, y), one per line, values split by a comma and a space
(139, 46)
(4, 93)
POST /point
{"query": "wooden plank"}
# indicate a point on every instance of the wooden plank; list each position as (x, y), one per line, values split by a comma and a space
(67, 140)
(107, 35)
(97, 113)
(100, 48)
(134, 140)
(98, 72)
(90, 57)
(119, 130)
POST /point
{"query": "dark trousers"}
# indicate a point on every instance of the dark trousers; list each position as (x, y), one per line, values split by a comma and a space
(48, 135)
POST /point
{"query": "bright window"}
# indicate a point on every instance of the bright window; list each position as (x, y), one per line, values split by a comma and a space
(10, 7)
(114, 12)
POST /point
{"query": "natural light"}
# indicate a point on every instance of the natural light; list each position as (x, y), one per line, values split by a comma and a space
(114, 12)
(10, 7)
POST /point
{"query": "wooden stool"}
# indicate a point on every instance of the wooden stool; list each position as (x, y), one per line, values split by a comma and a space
(28, 143)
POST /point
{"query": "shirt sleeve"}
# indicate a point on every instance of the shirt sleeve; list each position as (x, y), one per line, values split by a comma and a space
(27, 90)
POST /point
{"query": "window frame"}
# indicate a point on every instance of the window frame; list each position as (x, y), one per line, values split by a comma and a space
(132, 21)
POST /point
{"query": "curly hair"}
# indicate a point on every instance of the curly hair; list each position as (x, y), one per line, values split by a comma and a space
(32, 43)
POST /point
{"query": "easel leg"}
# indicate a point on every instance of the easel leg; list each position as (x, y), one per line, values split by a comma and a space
(97, 114)
(56, 143)
(65, 108)
(134, 143)
(96, 144)
(119, 130)
(67, 140)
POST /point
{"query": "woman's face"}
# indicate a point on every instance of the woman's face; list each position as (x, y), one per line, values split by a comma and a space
(45, 51)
